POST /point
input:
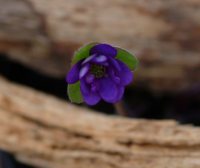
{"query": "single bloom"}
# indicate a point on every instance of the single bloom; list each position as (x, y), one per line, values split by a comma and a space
(100, 73)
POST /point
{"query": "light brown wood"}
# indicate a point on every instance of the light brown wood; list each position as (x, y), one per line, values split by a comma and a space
(47, 132)
(165, 35)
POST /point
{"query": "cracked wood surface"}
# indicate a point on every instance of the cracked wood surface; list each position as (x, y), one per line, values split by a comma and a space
(165, 35)
(50, 133)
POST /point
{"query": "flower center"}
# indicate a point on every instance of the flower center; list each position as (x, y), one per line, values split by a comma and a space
(97, 70)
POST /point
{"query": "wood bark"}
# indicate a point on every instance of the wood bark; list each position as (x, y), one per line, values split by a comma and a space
(50, 133)
(165, 35)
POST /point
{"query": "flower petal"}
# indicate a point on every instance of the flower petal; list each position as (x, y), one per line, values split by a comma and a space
(89, 78)
(73, 74)
(108, 89)
(91, 98)
(100, 59)
(84, 70)
(114, 63)
(95, 86)
(88, 59)
(104, 49)
(126, 76)
(112, 75)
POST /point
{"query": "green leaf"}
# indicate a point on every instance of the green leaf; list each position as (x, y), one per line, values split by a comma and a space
(74, 93)
(82, 53)
(130, 60)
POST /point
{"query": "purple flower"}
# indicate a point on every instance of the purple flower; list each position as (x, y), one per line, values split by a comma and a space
(101, 75)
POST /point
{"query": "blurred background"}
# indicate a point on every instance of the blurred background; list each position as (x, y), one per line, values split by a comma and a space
(38, 38)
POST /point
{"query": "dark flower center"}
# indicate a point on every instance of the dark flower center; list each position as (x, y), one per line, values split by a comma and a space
(97, 70)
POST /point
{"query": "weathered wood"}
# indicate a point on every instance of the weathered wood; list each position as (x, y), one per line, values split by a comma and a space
(165, 35)
(47, 132)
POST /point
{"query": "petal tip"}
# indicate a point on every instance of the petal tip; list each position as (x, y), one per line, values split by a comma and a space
(104, 49)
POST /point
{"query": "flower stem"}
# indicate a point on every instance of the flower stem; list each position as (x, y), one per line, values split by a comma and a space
(120, 109)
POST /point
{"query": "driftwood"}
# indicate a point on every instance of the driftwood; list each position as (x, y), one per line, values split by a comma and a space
(47, 132)
(163, 34)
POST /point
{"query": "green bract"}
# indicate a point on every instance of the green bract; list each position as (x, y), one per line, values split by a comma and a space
(130, 60)
(82, 53)
(74, 93)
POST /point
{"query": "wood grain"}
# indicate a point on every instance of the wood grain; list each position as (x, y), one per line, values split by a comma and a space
(47, 132)
(164, 35)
